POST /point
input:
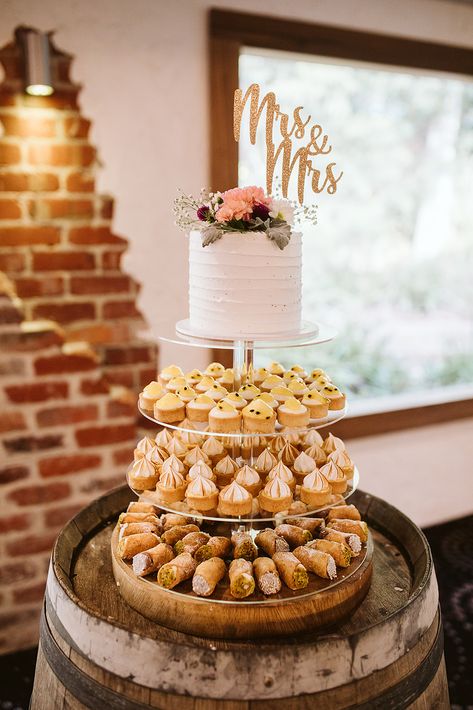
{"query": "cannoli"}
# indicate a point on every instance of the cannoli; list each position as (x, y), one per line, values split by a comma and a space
(191, 542)
(217, 546)
(357, 527)
(320, 563)
(270, 542)
(293, 534)
(172, 535)
(243, 546)
(138, 518)
(314, 525)
(137, 506)
(136, 528)
(344, 512)
(130, 546)
(151, 560)
(170, 520)
(178, 570)
(291, 570)
(242, 582)
(353, 541)
(207, 575)
(267, 575)
(340, 552)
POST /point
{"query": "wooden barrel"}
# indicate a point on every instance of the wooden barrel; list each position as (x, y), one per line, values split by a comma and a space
(96, 652)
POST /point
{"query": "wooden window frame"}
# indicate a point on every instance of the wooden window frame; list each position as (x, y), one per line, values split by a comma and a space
(229, 32)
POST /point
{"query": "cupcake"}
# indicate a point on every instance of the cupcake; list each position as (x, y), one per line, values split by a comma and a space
(343, 461)
(216, 392)
(204, 384)
(275, 496)
(171, 486)
(316, 403)
(163, 437)
(284, 473)
(202, 494)
(314, 374)
(227, 379)
(176, 383)
(198, 409)
(265, 462)
(336, 399)
(234, 500)
(214, 449)
(299, 371)
(271, 382)
(303, 465)
(215, 369)
(168, 373)
(289, 375)
(151, 393)
(225, 471)
(143, 475)
(195, 454)
(176, 447)
(335, 477)
(172, 463)
(281, 393)
(249, 479)
(169, 409)
(259, 417)
(288, 454)
(201, 469)
(317, 453)
(260, 375)
(298, 388)
(193, 377)
(331, 443)
(275, 368)
(224, 418)
(236, 400)
(143, 447)
(293, 414)
(320, 382)
(269, 399)
(186, 393)
(315, 489)
(249, 392)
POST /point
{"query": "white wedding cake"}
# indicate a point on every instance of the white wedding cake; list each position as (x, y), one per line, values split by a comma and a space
(245, 285)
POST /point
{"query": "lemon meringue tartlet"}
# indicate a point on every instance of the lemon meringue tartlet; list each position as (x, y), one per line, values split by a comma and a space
(343, 461)
(235, 500)
(303, 465)
(259, 417)
(331, 443)
(202, 494)
(284, 473)
(275, 496)
(171, 486)
(214, 449)
(143, 475)
(249, 479)
(315, 489)
(335, 477)
(224, 419)
(292, 413)
(169, 409)
(143, 447)
(225, 470)
(265, 462)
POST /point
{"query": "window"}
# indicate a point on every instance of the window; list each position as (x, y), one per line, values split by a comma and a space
(390, 263)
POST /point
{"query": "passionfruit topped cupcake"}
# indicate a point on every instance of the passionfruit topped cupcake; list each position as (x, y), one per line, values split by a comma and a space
(259, 417)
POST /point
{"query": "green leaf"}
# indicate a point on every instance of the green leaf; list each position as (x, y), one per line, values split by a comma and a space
(211, 234)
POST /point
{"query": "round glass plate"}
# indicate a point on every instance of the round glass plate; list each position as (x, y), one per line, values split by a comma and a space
(152, 497)
(309, 334)
(333, 416)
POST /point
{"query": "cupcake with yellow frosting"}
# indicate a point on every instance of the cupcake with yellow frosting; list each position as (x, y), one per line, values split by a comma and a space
(169, 409)
(249, 479)
(300, 372)
(186, 393)
(202, 494)
(236, 400)
(269, 399)
(249, 392)
(271, 382)
(143, 475)
(215, 369)
(275, 368)
(193, 377)
(292, 413)
(214, 449)
(204, 384)
(316, 403)
(151, 393)
(234, 500)
(176, 383)
(284, 473)
(336, 398)
(225, 471)
(227, 379)
(143, 447)
(259, 417)
(198, 409)
(335, 477)
(224, 418)
(343, 461)
(281, 393)
(260, 375)
(171, 486)
(168, 373)
(315, 489)
(216, 392)
(303, 465)
(314, 374)
(298, 388)
(275, 496)
(265, 462)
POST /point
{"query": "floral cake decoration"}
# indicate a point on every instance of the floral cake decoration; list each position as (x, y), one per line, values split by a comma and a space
(240, 210)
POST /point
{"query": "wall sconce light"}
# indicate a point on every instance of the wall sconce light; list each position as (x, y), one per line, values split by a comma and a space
(37, 65)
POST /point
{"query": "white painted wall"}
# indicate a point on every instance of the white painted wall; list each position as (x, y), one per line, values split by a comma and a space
(143, 67)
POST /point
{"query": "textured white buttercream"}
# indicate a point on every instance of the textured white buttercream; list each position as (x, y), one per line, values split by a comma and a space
(244, 284)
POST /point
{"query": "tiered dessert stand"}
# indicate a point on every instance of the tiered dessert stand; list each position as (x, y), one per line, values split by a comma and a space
(320, 604)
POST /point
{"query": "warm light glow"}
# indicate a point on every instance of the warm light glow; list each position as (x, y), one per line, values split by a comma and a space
(39, 90)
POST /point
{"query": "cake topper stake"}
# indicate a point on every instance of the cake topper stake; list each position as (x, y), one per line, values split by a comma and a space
(302, 160)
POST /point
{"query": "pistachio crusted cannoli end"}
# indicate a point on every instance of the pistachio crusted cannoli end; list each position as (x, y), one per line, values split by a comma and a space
(242, 582)
(243, 546)
(291, 570)
(293, 534)
(317, 562)
(191, 543)
(178, 570)
(217, 546)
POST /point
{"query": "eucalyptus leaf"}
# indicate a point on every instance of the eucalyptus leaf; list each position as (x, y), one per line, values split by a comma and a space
(280, 234)
(211, 234)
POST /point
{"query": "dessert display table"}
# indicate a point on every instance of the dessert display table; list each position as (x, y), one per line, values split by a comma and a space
(97, 652)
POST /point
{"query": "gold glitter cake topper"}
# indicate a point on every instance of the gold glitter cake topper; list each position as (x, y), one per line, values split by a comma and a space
(309, 141)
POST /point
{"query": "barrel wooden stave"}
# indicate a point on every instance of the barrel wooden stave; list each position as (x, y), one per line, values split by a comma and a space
(98, 631)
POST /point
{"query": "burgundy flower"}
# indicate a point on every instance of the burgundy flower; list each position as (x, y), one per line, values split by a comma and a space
(203, 213)
(261, 211)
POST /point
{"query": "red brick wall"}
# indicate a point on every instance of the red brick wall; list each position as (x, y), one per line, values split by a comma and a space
(71, 361)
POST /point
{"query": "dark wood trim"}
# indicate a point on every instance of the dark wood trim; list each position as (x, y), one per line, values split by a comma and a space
(228, 33)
